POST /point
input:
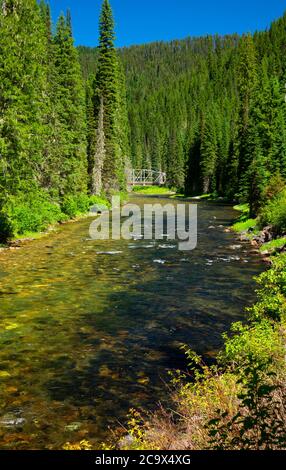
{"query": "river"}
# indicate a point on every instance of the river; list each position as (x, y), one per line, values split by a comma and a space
(90, 328)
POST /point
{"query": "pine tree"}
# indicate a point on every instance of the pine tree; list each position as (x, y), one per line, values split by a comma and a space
(247, 84)
(176, 164)
(209, 153)
(69, 99)
(22, 95)
(110, 110)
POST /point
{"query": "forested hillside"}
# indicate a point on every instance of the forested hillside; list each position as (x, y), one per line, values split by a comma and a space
(210, 111)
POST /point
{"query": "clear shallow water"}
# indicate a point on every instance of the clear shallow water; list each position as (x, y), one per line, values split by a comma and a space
(86, 334)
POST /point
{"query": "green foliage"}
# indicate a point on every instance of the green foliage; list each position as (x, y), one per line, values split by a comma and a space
(31, 213)
(151, 190)
(271, 295)
(273, 245)
(259, 423)
(23, 88)
(252, 343)
(244, 224)
(242, 208)
(274, 213)
(275, 186)
(74, 206)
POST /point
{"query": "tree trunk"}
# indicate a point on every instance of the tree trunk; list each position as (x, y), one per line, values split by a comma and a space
(99, 157)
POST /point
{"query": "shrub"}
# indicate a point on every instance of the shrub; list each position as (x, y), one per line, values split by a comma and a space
(272, 292)
(257, 341)
(32, 212)
(74, 206)
(274, 213)
(259, 423)
(275, 186)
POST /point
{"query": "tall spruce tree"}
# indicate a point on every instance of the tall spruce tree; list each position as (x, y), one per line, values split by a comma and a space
(23, 90)
(69, 100)
(107, 160)
(247, 85)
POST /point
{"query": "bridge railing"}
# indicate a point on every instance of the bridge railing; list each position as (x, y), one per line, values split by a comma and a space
(144, 177)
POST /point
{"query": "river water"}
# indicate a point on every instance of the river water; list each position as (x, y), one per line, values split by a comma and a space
(89, 329)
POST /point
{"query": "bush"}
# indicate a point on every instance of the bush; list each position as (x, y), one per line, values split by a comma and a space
(274, 213)
(22, 214)
(258, 341)
(275, 186)
(74, 206)
(259, 423)
(33, 211)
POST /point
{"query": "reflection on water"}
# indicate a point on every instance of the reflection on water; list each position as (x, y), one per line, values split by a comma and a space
(89, 328)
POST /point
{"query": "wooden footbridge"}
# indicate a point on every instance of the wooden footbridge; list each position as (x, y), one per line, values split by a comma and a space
(146, 178)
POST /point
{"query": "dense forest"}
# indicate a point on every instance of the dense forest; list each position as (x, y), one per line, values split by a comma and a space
(210, 111)
(63, 142)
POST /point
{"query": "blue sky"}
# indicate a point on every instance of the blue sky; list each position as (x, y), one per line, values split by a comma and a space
(141, 21)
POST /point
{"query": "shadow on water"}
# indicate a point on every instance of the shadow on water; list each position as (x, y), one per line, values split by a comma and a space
(90, 328)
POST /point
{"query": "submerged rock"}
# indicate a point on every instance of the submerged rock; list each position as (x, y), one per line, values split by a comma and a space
(109, 253)
(11, 420)
(73, 427)
(127, 441)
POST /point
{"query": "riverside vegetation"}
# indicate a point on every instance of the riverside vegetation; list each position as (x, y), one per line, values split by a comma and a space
(210, 112)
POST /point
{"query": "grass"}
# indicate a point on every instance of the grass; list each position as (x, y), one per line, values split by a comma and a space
(244, 223)
(150, 190)
(272, 246)
(199, 198)
(242, 208)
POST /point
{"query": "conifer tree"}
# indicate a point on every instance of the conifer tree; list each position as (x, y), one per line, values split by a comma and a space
(69, 99)
(22, 95)
(110, 113)
(175, 169)
(247, 83)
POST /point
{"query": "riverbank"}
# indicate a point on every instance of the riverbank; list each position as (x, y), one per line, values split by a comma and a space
(239, 403)
(266, 237)
(73, 214)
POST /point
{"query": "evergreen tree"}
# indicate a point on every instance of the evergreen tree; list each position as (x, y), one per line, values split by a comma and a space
(110, 113)
(209, 153)
(175, 169)
(69, 99)
(23, 90)
(247, 84)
